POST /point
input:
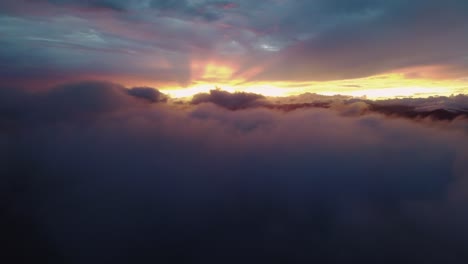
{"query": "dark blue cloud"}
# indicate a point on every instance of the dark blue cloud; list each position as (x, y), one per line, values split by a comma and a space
(209, 10)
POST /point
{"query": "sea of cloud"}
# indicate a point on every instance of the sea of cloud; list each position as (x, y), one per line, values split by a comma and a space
(96, 173)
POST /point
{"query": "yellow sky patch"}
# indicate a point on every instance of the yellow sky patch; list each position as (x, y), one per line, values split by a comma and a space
(411, 82)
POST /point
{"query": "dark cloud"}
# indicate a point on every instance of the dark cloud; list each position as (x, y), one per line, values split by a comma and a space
(435, 108)
(209, 10)
(139, 182)
(233, 101)
(82, 100)
(148, 93)
(117, 5)
(288, 40)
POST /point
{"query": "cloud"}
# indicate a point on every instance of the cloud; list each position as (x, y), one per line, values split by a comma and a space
(148, 93)
(135, 181)
(209, 10)
(454, 103)
(233, 101)
(356, 39)
(435, 108)
(117, 5)
(80, 100)
(158, 41)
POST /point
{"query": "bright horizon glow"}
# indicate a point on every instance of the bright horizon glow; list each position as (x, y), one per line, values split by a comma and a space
(403, 83)
(386, 86)
(216, 75)
(265, 90)
(196, 89)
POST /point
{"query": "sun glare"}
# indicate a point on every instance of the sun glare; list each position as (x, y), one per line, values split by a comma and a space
(196, 89)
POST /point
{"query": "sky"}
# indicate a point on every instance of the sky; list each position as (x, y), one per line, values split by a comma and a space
(233, 132)
(373, 48)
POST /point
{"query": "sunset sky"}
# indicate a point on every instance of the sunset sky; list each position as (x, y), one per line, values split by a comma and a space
(234, 131)
(373, 48)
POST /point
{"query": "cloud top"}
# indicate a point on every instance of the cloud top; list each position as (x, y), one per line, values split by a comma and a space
(98, 173)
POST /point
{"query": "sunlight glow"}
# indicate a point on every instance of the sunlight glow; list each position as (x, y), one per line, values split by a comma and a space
(214, 71)
(384, 86)
(267, 90)
(196, 89)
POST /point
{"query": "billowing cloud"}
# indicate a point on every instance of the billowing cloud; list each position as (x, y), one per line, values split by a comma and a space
(436, 108)
(228, 100)
(122, 180)
(85, 100)
(148, 93)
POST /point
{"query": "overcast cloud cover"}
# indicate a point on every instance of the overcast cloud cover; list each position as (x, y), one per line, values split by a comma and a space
(95, 173)
(161, 40)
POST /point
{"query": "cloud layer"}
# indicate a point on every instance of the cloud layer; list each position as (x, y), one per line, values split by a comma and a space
(172, 41)
(95, 173)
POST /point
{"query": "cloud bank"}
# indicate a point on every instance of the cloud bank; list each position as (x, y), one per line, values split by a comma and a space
(97, 173)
